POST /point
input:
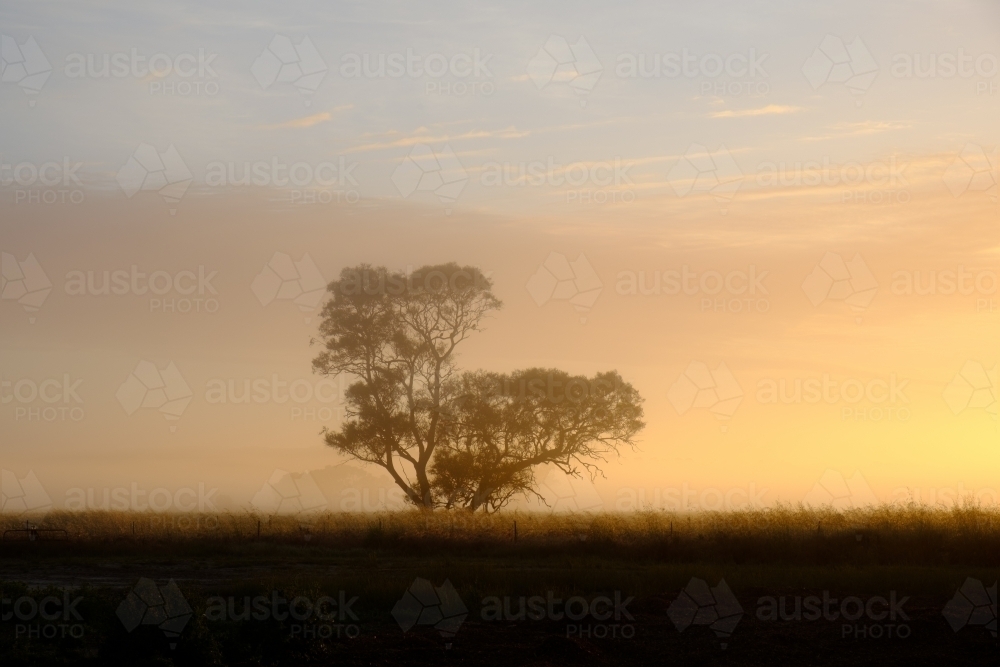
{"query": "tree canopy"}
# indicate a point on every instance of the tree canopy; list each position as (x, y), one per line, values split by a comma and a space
(452, 439)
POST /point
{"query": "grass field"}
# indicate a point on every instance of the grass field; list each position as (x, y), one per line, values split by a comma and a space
(914, 554)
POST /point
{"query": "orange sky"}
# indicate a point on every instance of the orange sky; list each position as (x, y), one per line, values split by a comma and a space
(816, 232)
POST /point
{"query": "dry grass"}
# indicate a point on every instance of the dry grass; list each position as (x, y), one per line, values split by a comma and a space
(883, 534)
(923, 554)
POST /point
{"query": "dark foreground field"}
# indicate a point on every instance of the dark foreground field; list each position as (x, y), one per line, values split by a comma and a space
(856, 588)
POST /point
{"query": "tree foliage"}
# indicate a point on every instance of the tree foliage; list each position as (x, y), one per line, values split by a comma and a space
(501, 426)
(452, 439)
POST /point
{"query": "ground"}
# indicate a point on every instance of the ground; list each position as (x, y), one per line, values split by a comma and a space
(445, 586)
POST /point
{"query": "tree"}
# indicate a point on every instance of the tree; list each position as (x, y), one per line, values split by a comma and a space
(395, 334)
(502, 426)
(451, 439)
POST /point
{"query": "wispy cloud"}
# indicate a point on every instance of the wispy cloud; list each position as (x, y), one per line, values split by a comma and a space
(858, 129)
(769, 110)
(309, 121)
(423, 136)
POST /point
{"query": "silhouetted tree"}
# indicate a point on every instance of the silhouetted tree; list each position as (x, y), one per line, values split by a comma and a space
(501, 426)
(449, 439)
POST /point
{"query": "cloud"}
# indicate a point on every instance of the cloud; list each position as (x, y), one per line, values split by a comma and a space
(858, 129)
(769, 110)
(309, 121)
(421, 135)
(422, 138)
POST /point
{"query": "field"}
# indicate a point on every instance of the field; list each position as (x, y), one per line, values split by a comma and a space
(608, 586)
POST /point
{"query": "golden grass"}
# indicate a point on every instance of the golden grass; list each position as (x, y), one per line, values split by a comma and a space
(637, 528)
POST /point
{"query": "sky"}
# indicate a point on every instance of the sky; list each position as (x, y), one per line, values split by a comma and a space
(778, 221)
